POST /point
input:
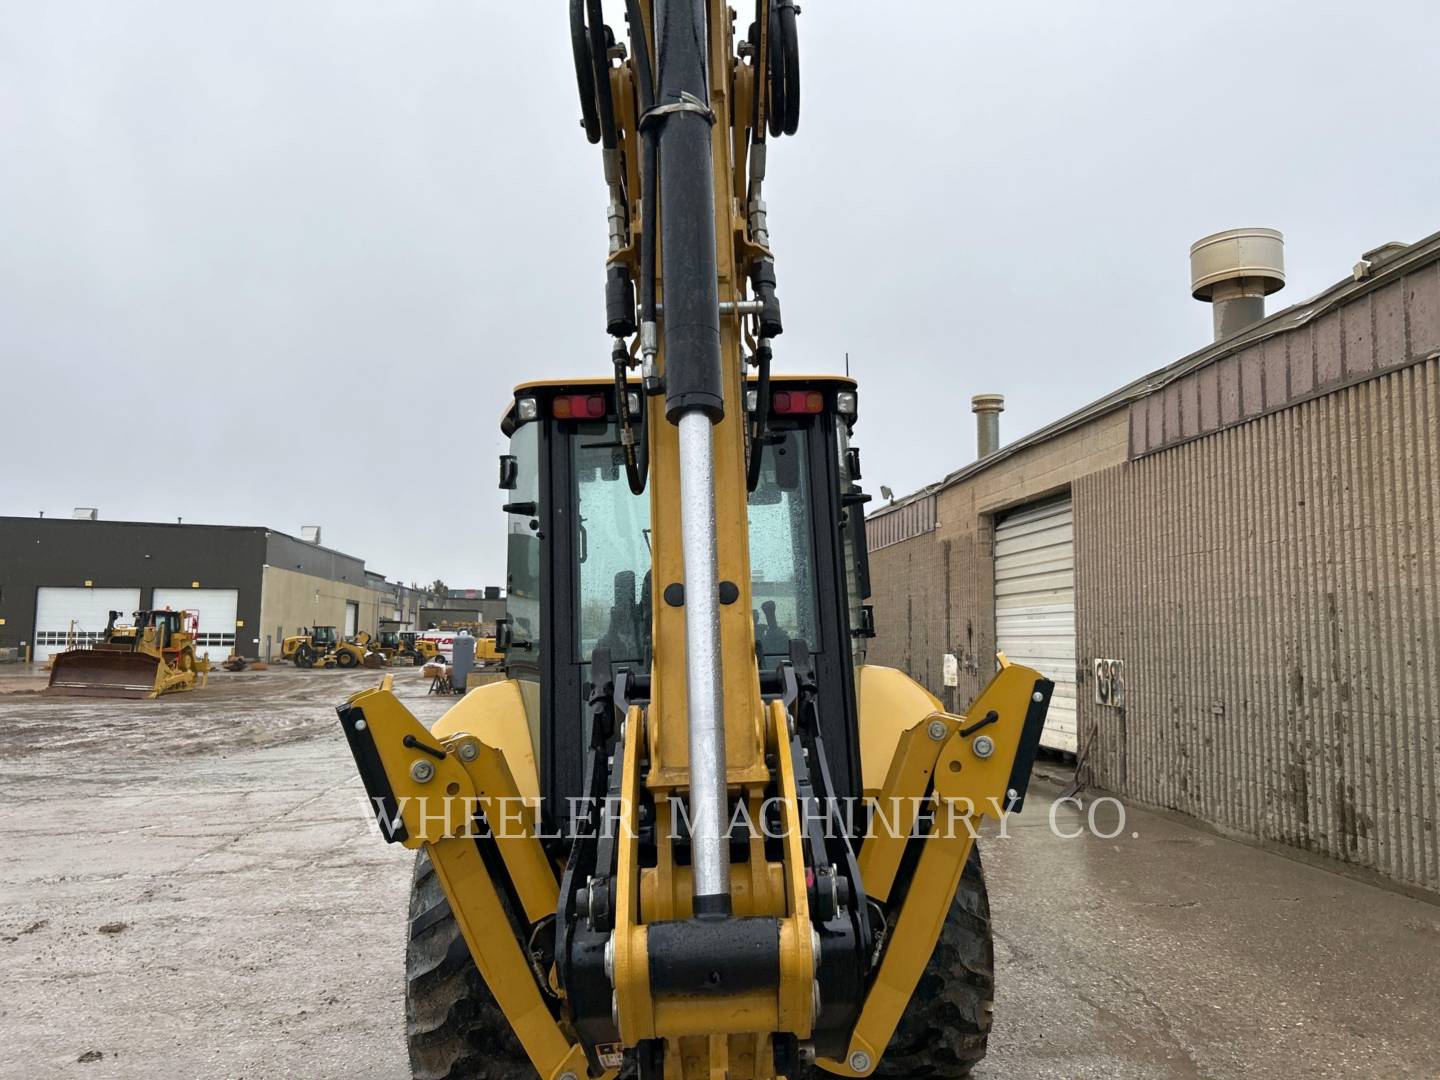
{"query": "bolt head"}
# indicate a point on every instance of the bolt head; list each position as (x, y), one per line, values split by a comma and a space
(1037, 696)
(567, 1076)
(360, 724)
(983, 746)
(469, 751)
(421, 771)
(860, 1061)
(938, 730)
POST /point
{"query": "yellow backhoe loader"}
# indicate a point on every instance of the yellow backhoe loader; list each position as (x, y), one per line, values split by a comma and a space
(153, 654)
(692, 833)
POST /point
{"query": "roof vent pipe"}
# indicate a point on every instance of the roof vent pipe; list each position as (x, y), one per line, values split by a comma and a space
(987, 409)
(1234, 271)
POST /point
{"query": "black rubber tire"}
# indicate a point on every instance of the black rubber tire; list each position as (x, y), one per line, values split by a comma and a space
(304, 658)
(943, 1032)
(453, 1027)
(344, 658)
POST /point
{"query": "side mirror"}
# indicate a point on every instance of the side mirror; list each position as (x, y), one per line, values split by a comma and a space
(852, 462)
(509, 472)
(503, 634)
(866, 627)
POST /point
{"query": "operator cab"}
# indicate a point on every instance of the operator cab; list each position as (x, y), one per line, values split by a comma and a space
(579, 560)
(323, 635)
(166, 625)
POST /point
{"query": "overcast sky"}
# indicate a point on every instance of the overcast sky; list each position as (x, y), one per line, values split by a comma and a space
(271, 263)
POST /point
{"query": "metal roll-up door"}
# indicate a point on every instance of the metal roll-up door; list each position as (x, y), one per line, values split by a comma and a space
(217, 608)
(1035, 604)
(352, 618)
(78, 615)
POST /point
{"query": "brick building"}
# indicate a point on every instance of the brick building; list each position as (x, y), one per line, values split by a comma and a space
(1230, 568)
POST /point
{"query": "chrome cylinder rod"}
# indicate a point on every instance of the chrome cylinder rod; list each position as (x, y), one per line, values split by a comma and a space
(709, 802)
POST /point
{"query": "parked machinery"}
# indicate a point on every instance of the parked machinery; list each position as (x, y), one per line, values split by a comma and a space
(416, 649)
(387, 643)
(311, 648)
(153, 654)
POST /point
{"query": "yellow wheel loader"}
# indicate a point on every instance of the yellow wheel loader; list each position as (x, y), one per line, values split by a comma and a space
(153, 654)
(692, 833)
(417, 649)
(361, 649)
(312, 648)
(387, 643)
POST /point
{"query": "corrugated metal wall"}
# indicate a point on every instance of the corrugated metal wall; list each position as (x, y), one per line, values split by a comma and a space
(1274, 592)
(908, 520)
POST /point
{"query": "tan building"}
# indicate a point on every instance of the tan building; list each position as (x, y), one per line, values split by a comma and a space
(1229, 567)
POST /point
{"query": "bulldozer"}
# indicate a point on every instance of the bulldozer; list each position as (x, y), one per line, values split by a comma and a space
(692, 832)
(152, 654)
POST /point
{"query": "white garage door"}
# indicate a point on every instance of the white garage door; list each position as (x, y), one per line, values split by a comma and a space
(217, 609)
(352, 618)
(88, 609)
(1035, 605)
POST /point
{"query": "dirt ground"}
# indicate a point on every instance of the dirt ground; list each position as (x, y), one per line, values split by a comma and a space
(192, 887)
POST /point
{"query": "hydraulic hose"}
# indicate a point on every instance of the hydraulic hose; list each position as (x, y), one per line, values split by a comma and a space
(600, 62)
(649, 217)
(584, 70)
(782, 67)
(634, 443)
(790, 55)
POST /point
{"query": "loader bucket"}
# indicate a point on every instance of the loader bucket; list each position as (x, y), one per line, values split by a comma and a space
(95, 673)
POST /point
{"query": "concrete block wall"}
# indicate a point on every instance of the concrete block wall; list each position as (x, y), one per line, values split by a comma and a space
(1274, 591)
(290, 600)
(1396, 323)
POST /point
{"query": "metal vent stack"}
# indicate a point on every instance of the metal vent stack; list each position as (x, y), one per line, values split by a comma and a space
(987, 409)
(1234, 271)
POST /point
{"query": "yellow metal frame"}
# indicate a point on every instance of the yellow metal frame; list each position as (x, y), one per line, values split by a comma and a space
(436, 801)
(936, 753)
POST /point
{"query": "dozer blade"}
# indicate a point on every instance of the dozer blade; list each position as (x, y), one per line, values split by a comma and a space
(92, 673)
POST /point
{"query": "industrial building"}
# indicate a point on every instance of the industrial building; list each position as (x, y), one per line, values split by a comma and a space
(1229, 567)
(59, 577)
(468, 609)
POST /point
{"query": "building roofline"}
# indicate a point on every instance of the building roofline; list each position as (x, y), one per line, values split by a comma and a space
(183, 525)
(1418, 255)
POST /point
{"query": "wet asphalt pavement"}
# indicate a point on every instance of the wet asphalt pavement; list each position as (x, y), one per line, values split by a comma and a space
(191, 888)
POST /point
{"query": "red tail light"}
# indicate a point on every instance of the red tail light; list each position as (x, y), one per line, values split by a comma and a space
(578, 407)
(791, 402)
